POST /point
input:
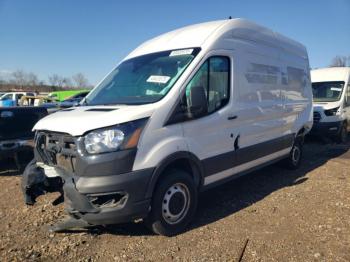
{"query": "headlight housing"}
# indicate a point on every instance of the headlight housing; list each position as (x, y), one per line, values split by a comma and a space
(119, 137)
(331, 112)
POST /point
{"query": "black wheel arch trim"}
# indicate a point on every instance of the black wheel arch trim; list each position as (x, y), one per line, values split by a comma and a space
(195, 164)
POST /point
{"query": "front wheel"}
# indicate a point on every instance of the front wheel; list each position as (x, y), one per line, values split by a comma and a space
(294, 159)
(343, 134)
(174, 204)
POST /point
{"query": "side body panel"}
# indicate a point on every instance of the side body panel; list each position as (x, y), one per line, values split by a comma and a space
(296, 93)
(257, 95)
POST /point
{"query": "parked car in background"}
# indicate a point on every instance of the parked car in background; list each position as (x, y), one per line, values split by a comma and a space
(15, 96)
(183, 112)
(62, 95)
(35, 100)
(16, 124)
(74, 100)
(331, 96)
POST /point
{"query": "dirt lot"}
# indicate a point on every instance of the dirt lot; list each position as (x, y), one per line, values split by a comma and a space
(281, 215)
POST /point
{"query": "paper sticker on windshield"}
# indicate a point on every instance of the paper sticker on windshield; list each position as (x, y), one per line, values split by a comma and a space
(181, 52)
(336, 89)
(158, 79)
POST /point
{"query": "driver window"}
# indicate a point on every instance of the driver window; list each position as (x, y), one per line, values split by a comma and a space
(347, 96)
(213, 77)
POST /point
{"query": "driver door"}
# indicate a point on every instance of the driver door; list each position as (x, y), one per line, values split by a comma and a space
(211, 136)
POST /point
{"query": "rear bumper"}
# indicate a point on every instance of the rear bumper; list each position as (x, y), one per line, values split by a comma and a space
(326, 128)
(14, 146)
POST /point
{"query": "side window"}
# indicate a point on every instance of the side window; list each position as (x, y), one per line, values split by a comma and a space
(213, 78)
(347, 96)
(8, 96)
(19, 96)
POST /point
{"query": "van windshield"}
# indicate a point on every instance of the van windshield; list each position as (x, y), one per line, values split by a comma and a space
(327, 91)
(143, 79)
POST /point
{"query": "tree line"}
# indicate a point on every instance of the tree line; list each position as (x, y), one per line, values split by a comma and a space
(340, 61)
(21, 80)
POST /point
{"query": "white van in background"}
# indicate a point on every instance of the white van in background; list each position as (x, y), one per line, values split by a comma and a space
(331, 96)
(184, 111)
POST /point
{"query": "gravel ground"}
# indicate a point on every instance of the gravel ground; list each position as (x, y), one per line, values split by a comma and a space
(277, 215)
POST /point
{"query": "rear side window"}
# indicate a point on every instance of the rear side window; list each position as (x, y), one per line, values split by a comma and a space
(19, 96)
(214, 77)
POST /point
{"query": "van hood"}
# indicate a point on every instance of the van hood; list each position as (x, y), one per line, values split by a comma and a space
(78, 120)
(325, 105)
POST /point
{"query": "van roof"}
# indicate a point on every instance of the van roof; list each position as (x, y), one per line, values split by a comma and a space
(215, 33)
(330, 74)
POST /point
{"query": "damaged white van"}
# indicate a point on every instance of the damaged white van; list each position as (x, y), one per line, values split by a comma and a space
(184, 111)
(331, 94)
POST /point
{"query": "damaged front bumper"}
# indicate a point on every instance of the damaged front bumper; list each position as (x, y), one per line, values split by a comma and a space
(99, 189)
(106, 199)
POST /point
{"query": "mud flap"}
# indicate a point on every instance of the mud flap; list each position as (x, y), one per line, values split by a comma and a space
(35, 183)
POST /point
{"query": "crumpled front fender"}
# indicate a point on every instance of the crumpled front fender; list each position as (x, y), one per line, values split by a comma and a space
(35, 183)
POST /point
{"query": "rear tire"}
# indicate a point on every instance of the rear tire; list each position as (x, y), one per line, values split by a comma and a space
(174, 204)
(294, 159)
(343, 134)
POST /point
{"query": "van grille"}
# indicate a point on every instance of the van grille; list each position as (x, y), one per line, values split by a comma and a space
(57, 149)
(317, 117)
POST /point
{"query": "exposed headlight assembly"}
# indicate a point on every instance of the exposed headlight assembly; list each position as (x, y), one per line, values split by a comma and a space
(119, 137)
(331, 112)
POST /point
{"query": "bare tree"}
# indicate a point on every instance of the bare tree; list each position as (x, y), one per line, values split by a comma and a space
(339, 61)
(2, 80)
(32, 79)
(80, 80)
(19, 78)
(54, 79)
(66, 82)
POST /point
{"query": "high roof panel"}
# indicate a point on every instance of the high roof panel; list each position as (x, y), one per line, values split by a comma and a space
(205, 34)
(330, 74)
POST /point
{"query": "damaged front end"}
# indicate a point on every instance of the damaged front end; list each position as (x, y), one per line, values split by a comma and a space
(96, 189)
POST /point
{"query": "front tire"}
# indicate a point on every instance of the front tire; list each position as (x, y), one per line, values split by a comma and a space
(174, 204)
(294, 159)
(343, 134)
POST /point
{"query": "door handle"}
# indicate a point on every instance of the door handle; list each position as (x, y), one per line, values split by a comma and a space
(236, 144)
(232, 117)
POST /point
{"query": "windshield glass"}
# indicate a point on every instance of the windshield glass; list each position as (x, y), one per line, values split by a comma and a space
(141, 80)
(327, 91)
(5, 97)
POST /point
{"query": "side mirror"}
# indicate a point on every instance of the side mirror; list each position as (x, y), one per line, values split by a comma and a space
(198, 102)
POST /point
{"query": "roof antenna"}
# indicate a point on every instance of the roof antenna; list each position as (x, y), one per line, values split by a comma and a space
(230, 17)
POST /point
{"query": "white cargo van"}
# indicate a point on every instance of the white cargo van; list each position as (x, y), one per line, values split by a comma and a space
(184, 111)
(331, 95)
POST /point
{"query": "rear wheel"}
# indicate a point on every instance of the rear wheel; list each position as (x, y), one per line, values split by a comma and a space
(173, 205)
(294, 159)
(343, 134)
